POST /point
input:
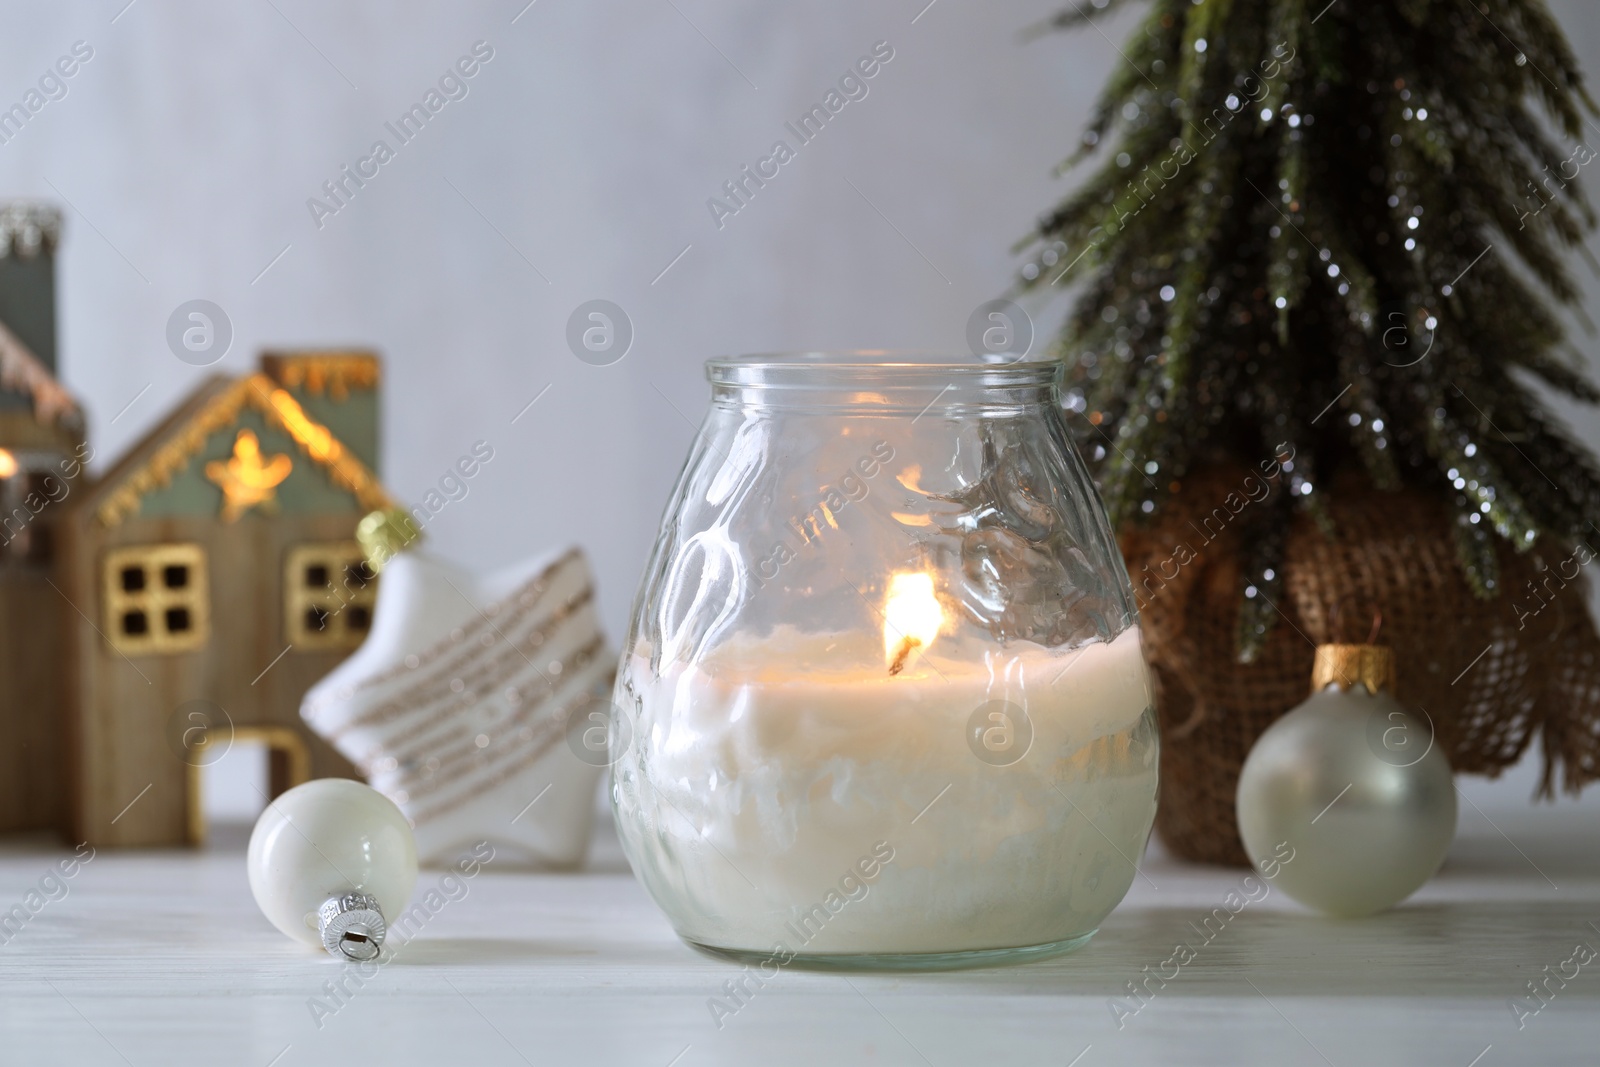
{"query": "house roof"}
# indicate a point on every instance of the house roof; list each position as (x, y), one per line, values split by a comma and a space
(171, 446)
(24, 373)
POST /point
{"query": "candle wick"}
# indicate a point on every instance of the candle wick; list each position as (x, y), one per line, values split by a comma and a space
(901, 655)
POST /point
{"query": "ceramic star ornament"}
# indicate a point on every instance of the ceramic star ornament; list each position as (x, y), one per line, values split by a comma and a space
(478, 704)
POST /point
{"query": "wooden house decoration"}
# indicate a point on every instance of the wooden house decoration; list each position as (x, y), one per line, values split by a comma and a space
(42, 452)
(216, 576)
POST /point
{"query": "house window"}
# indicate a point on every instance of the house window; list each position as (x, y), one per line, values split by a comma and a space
(329, 590)
(156, 599)
(29, 491)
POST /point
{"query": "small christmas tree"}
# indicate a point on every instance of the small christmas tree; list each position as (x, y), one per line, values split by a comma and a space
(1306, 235)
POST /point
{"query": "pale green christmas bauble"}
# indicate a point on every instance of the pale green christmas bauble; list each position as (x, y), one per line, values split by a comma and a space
(1352, 786)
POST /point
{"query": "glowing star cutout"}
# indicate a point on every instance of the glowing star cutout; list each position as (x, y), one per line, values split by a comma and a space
(248, 480)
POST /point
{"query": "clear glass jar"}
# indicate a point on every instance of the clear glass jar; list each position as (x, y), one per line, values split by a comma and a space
(883, 700)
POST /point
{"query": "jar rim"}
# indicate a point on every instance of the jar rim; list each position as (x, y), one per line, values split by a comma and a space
(816, 366)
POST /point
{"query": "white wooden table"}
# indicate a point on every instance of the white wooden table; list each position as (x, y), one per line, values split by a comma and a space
(161, 958)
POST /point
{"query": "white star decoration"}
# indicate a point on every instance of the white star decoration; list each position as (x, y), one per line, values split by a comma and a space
(458, 705)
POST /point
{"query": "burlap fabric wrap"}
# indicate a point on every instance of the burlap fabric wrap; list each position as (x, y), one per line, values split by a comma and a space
(1490, 673)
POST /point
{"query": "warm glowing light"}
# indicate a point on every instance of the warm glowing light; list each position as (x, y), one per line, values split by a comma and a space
(248, 478)
(8, 463)
(911, 618)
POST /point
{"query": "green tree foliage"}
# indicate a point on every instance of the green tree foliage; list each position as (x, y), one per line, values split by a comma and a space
(1337, 226)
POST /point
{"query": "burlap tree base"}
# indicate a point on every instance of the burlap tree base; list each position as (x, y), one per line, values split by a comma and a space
(1489, 673)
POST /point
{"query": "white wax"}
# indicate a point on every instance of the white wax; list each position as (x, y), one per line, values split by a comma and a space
(762, 776)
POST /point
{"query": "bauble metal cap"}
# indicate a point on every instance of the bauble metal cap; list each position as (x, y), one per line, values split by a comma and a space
(1349, 665)
(352, 926)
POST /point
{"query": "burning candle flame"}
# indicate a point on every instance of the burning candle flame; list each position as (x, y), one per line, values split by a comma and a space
(912, 618)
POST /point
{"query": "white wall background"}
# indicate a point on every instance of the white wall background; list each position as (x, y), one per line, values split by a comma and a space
(577, 167)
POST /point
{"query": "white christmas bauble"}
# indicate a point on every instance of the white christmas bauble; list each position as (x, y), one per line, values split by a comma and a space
(1351, 787)
(331, 863)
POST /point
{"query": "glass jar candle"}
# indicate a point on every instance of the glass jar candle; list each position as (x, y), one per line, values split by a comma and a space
(883, 702)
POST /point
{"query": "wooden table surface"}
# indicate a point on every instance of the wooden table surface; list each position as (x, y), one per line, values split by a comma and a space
(161, 958)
